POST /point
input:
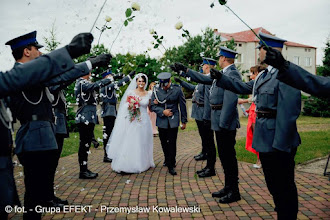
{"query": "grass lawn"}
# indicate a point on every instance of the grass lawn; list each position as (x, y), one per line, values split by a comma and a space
(314, 143)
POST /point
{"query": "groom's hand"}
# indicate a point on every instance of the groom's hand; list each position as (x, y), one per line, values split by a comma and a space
(183, 126)
(167, 112)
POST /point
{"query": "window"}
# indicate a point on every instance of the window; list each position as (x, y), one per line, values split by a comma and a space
(239, 45)
(308, 61)
(307, 50)
(296, 60)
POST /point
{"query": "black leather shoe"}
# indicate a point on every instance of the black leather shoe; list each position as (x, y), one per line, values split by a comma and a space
(220, 193)
(207, 173)
(96, 144)
(107, 160)
(59, 200)
(201, 171)
(201, 157)
(87, 175)
(232, 196)
(198, 155)
(165, 165)
(172, 171)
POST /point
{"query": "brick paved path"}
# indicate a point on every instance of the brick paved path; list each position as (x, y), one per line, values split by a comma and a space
(157, 189)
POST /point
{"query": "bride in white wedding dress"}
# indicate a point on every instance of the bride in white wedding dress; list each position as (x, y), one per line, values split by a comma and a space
(131, 142)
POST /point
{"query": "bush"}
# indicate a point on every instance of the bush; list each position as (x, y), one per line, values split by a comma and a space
(317, 107)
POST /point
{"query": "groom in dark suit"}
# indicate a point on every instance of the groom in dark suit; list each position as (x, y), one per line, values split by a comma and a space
(165, 101)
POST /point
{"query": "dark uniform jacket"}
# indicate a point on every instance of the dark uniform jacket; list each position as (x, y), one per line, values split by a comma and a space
(60, 108)
(172, 98)
(271, 95)
(299, 78)
(34, 72)
(85, 92)
(227, 116)
(201, 109)
(109, 99)
(32, 107)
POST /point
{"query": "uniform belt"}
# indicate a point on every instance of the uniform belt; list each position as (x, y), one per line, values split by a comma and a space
(198, 104)
(108, 103)
(59, 111)
(266, 114)
(216, 107)
(37, 118)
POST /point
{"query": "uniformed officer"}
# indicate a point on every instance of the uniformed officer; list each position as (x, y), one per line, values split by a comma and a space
(109, 111)
(224, 121)
(201, 111)
(86, 118)
(296, 76)
(276, 138)
(60, 112)
(35, 139)
(165, 101)
(35, 72)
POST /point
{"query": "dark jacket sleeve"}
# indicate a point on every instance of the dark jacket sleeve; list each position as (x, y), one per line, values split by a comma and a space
(183, 108)
(229, 105)
(35, 72)
(207, 106)
(235, 85)
(188, 86)
(299, 78)
(199, 78)
(64, 80)
(119, 84)
(88, 87)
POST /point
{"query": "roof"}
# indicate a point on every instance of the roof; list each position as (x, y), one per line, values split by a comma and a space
(248, 36)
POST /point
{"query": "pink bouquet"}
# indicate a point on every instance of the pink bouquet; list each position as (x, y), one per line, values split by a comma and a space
(134, 108)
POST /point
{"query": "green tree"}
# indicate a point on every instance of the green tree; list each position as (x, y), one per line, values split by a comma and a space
(191, 52)
(51, 41)
(315, 106)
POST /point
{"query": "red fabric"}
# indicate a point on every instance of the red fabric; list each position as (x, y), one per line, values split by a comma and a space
(249, 134)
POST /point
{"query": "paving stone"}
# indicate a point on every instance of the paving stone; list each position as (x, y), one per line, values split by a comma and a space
(156, 187)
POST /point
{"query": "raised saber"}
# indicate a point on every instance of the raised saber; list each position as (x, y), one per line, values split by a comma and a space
(224, 2)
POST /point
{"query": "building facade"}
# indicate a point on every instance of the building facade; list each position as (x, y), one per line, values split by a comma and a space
(246, 42)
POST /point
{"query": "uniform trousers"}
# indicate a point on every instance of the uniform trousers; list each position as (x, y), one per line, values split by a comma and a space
(86, 133)
(109, 122)
(38, 179)
(200, 125)
(59, 141)
(278, 168)
(207, 136)
(8, 192)
(168, 138)
(227, 154)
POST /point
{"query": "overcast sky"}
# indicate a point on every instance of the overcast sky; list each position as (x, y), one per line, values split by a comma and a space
(304, 21)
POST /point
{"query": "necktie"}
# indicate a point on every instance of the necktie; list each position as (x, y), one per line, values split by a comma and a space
(264, 74)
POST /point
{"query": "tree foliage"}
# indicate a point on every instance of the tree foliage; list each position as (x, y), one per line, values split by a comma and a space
(315, 106)
(191, 52)
(51, 41)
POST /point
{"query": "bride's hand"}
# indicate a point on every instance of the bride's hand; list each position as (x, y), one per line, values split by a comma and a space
(183, 126)
(155, 102)
(167, 112)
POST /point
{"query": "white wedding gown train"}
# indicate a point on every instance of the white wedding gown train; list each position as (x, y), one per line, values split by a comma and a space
(131, 143)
